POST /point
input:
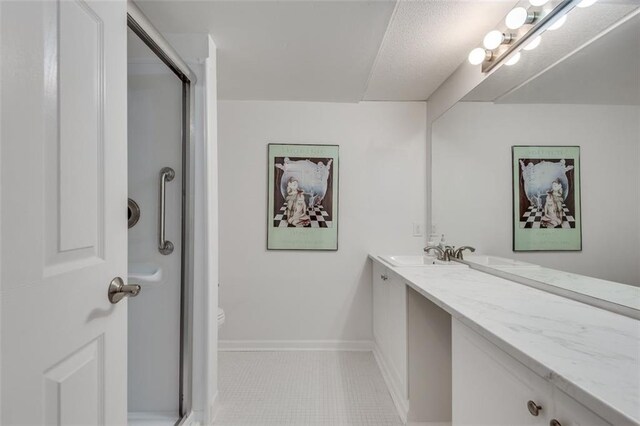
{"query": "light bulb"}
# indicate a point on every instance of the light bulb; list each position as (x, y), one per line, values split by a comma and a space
(560, 22)
(586, 3)
(533, 43)
(538, 2)
(519, 17)
(477, 56)
(513, 60)
(493, 39)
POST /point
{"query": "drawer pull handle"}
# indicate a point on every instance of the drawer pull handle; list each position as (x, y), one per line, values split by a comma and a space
(384, 277)
(554, 422)
(534, 408)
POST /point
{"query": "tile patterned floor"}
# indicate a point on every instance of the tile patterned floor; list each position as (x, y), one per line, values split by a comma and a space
(306, 388)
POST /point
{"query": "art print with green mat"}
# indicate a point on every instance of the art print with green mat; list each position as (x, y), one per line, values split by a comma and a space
(547, 214)
(303, 197)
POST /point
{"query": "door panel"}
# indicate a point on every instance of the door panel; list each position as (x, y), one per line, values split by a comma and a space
(81, 124)
(62, 212)
(74, 158)
(79, 377)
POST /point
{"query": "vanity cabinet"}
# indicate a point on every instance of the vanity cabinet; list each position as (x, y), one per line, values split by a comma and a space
(390, 330)
(570, 412)
(492, 388)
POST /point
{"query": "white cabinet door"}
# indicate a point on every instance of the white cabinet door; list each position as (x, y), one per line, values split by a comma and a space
(380, 313)
(397, 338)
(568, 412)
(490, 387)
(390, 327)
(63, 198)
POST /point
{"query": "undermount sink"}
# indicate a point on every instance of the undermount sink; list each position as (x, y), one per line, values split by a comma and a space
(417, 260)
(495, 261)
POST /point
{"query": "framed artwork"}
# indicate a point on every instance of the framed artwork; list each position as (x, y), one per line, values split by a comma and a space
(546, 198)
(302, 211)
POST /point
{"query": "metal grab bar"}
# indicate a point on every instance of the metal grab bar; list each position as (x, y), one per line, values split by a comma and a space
(164, 246)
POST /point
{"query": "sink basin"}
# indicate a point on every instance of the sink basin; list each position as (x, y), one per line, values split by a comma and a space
(417, 260)
(495, 261)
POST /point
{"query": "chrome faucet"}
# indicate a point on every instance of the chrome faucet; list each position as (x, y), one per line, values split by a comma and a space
(443, 254)
(447, 253)
(429, 249)
(457, 254)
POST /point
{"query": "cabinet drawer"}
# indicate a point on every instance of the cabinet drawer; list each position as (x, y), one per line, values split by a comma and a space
(492, 388)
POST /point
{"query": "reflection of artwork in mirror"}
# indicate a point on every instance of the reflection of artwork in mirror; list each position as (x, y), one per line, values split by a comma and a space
(303, 197)
(546, 198)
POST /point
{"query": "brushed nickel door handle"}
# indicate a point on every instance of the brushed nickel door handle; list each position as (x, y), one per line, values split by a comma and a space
(118, 290)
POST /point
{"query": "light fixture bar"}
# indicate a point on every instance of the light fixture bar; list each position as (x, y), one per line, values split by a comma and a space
(538, 28)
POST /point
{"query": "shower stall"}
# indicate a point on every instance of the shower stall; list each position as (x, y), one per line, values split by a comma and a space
(159, 334)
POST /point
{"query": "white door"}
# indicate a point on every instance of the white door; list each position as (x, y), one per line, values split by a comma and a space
(63, 224)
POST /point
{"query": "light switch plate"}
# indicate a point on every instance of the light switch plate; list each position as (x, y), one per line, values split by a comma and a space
(417, 229)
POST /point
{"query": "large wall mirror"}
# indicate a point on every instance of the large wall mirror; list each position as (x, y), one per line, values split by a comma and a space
(580, 87)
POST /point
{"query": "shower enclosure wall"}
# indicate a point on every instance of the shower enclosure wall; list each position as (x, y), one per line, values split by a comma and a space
(157, 114)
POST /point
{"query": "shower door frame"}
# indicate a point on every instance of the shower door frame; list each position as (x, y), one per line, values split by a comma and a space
(187, 77)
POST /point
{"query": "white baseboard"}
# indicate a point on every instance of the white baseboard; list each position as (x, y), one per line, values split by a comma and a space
(294, 345)
(401, 403)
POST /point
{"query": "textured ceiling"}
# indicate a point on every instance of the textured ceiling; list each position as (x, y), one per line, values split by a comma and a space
(606, 71)
(322, 50)
(426, 41)
(284, 50)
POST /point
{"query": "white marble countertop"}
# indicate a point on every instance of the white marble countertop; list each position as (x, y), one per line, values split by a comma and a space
(591, 354)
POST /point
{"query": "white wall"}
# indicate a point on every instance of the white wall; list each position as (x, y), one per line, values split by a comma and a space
(472, 192)
(212, 252)
(296, 296)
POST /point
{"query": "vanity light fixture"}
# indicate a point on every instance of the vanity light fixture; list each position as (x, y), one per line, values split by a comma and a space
(479, 55)
(519, 17)
(586, 3)
(533, 43)
(495, 38)
(560, 22)
(524, 28)
(513, 60)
